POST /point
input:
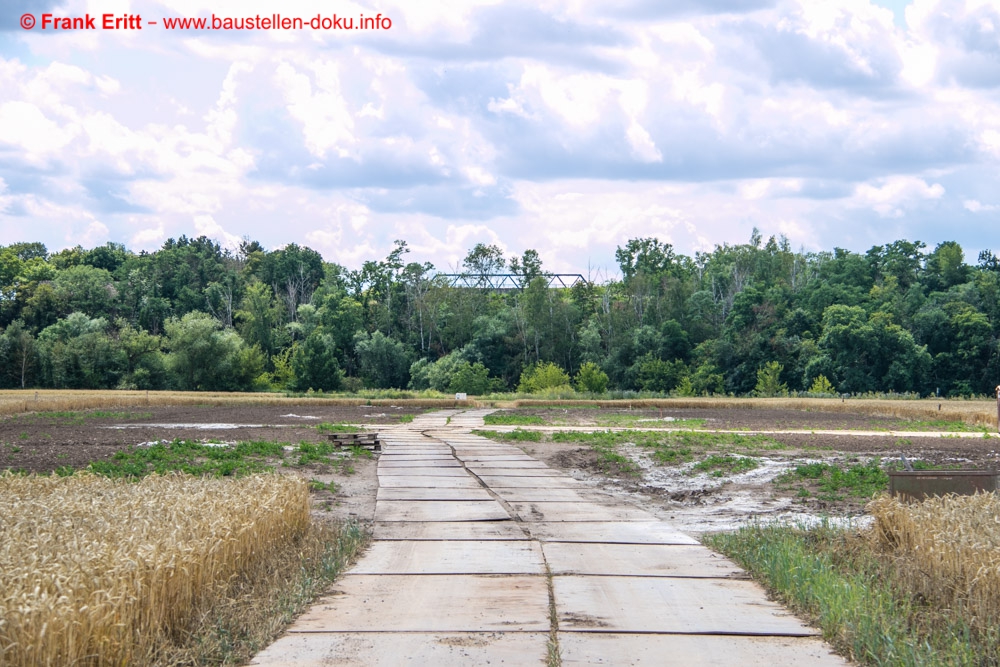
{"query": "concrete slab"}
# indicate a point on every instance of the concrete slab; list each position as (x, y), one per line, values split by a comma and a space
(390, 456)
(664, 604)
(506, 464)
(425, 493)
(540, 495)
(579, 649)
(557, 511)
(439, 510)
(637, 532)
(452, 557)
(465, 452)
(431, 603)
(390, 649)
(639, 560)
(507, 482)
(449, 530)
(518, 472)
(428, 481)
(420, 463)
(433, 471)
(496, 457)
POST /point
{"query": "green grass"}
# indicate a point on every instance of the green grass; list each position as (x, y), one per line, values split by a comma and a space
(406, 419)
(244, 458)
(843, 587)
(337, 427)
(726, 464)
(508, 419)
(833, 481)
(193, 458)
(517, 435)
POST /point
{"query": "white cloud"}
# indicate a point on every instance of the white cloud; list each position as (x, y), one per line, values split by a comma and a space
(895, 194)
(975, 206)
(205, 225)
(573, 133)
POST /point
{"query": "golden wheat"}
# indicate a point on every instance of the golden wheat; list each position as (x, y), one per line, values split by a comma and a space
(946, 549)
(94, 571)
(66, 400)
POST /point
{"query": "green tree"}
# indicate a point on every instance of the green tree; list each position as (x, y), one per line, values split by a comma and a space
(473, 379)
(591, 378)
(384, 362)
(18, 355)
(203, 356)
(540, 377)
(769, 380)
(314, 364)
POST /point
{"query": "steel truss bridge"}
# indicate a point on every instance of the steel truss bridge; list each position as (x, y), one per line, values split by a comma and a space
(511, 281)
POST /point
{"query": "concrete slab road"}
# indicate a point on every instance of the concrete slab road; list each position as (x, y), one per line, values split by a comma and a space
(483, 555)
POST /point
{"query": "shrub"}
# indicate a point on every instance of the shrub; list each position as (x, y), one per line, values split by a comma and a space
(591, 378)
(539, 377)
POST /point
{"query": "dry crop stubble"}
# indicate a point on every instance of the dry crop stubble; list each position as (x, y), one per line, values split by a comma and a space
(96, 571)
(19, 401)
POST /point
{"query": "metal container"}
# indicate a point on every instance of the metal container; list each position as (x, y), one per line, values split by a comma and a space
(921, 484)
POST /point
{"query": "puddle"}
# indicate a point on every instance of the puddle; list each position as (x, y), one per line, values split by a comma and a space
(299, 416)
(699, 503)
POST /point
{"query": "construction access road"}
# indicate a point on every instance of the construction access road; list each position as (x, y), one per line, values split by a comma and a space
(483, 555)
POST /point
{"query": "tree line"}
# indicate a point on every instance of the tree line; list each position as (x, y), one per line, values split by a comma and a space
(748, 318)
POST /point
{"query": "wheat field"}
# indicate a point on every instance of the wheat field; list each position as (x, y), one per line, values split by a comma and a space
(96, 571)
(945, 549)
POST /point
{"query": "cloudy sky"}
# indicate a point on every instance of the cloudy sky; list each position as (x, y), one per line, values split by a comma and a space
(568, 127)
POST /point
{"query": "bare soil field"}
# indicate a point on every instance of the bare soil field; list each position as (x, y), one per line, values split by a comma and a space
(726, 418)
(46, 441)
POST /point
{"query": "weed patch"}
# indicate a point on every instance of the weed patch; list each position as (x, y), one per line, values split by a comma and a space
(725, 465)
(832, 481)
(508, 419)
(843, 585)
(517, 435)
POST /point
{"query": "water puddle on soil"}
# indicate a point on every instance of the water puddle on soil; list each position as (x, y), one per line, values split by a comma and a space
(697, 502)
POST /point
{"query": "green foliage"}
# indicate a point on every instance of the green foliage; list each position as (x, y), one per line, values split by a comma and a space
(659, 376)
(591, 378)
(726, 464)
(859, 480)
(473, 379)
(896, 319)
(205, 356)
(848, 591)
(193, 458)
(384, 362)
(507, 419)
(540, 377)
(517, 435)
(769, 380)
(314, 364)
(821, 386)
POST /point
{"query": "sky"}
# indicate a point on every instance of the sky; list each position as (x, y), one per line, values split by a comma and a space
(568, 127)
